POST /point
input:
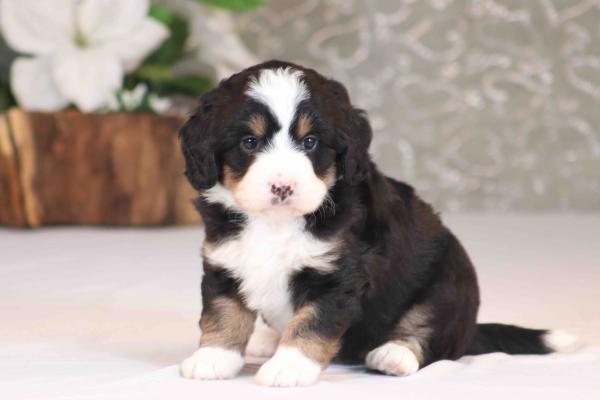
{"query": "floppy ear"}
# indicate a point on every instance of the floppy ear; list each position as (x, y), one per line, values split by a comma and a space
(356, 138)
(197, 138)
(354, 133)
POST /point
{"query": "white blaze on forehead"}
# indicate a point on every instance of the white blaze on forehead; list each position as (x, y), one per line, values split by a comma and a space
(281, 90)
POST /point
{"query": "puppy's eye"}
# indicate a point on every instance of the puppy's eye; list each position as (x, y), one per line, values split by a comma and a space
(250, 143)
(309, 143)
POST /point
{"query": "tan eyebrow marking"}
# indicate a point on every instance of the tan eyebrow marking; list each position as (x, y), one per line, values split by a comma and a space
(258, 125)
(304, 125)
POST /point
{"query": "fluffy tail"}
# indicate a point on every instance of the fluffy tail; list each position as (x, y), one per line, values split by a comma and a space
(512, 339)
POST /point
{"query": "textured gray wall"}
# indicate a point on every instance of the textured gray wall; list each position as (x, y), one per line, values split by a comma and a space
(482, 105)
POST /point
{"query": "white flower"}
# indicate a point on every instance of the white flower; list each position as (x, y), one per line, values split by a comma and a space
(159, 104)
(132, 99)
(80, 49)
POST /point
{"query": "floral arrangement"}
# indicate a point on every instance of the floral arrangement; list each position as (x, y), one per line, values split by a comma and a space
(108, 55)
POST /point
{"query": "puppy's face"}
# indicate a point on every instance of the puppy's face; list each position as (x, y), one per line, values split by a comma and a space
(281, 154)
(273, 140)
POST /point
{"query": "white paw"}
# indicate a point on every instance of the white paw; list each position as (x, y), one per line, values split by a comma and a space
(263, 341)
(288, 367)
(212, 363)
(393, 359)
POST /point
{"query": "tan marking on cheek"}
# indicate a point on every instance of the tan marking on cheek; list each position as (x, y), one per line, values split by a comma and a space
(300, 334)
(258, 125)
(304, 126)
(329, 177)
(230, 179)
(226, 323)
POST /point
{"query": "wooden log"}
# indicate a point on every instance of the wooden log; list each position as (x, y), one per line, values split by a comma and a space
(94, 169)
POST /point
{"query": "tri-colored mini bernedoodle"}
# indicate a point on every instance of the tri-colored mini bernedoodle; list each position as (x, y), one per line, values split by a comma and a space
(343, 263)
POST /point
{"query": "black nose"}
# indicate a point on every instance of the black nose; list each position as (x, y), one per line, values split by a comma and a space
(282, 191)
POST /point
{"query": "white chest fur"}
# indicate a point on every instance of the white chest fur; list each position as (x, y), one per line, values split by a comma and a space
(264, 256)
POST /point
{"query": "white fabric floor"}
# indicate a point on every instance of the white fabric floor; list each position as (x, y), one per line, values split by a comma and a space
(89, 313)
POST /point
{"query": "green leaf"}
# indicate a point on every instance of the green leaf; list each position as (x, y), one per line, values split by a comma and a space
(160, 79)
(161, 13)
(192, 85)
(234, 5)
(6, 98)
(153, 72)
(6, 58)
(156, 71)
(173, 48)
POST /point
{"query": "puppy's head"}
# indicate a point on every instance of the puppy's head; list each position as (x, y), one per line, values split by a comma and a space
(274, 139)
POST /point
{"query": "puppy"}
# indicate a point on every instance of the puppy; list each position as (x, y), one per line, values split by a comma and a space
(342, 262)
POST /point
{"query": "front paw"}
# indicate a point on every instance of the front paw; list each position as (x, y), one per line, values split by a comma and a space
(288, 367)
(212, 363)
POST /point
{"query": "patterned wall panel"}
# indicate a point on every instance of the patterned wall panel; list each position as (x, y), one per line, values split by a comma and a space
(481, 105)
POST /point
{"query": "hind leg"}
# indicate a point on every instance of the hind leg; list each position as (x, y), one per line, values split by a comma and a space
(405, 353)
(440, 326)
